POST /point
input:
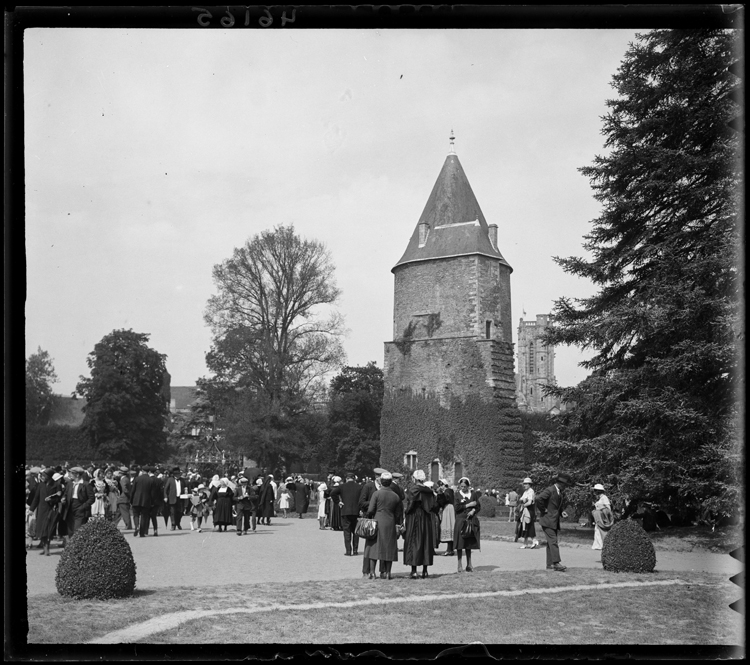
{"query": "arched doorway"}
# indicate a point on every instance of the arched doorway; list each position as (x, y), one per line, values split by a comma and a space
(435, 471)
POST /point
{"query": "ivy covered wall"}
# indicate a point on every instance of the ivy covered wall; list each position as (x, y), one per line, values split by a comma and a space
(484, 436)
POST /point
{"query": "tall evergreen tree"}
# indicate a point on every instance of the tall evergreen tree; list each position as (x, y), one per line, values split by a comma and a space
(658, 415)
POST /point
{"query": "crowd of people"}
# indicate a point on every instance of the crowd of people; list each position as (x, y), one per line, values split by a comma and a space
(422, 513)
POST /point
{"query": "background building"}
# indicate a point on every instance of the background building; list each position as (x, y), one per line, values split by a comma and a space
(536, 367)
(449, 405)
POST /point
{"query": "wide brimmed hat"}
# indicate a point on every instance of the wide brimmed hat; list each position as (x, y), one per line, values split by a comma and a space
(380, 471)
(527, 481)
(599, 486)
(564, 478)
(56, 476)
(77, 469)
(124, 469)
(35, 469)
(244, 480)
(201, 487)
(428, 483)
(397, 475)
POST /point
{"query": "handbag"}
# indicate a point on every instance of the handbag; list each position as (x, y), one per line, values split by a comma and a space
(366, 528)
(467, 528)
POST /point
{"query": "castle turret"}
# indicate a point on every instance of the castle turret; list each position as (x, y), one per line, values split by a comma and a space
(451, 352)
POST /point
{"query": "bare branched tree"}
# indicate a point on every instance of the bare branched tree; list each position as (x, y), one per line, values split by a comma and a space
(274, 329)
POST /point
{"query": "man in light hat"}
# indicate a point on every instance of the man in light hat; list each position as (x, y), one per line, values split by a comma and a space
(174, 488)
(123, 498)
(549, 504)
(244, 508)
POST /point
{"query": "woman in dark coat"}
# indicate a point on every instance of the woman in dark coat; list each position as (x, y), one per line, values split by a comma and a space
(223, 496)
(387, 510)
(267, 497)
(336, 523)
(419, 539)
(47, 503)
(467, 506)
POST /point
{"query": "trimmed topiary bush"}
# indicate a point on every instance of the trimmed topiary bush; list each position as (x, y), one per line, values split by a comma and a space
(96, 563)
(628, 549)
(488, 507)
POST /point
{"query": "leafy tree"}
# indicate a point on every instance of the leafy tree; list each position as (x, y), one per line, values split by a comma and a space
(658, 415)
(356, 402)
(40, 375)
(127, 407)
(275, 338)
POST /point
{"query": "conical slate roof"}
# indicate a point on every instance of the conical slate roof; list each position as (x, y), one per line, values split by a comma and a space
(456, 224)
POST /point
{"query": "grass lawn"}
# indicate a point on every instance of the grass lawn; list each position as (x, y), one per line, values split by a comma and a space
(694, 613)
(674, 539)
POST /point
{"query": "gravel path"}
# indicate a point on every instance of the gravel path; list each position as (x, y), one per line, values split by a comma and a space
(296, 550)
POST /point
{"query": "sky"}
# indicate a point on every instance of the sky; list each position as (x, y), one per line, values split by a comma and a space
(151, 154)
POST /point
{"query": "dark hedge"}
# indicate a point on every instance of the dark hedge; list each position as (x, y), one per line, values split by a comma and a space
(484, 435)
(96, 563)
(58, 442)
(628, 549)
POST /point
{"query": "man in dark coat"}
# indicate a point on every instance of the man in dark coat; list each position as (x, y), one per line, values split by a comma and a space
(173, 489)
(549, 505)
(140, 501)
(156, 486)
(266, 500)
(77, 501)
(348, 496)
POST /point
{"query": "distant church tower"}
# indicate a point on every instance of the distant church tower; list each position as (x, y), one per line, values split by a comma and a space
(450, 406)
(536, 367)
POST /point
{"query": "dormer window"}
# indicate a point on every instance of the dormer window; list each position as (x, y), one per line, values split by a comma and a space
(424, 231)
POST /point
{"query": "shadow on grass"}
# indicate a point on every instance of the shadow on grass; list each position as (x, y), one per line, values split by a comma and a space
(141, 593)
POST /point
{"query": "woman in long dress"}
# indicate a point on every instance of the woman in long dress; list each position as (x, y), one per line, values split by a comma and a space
(336, 523)
(419, 539)
(223, 496)
(467, 505)
(101, 501)
(46, 502)
(387, 510)
(527, 516)
(322, 488)
(445, 498)
(601, 502)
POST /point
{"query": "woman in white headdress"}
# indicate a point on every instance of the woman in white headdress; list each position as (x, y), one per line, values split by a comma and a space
(223, 507)
(419, 539)
(445, 498)
(467, 505)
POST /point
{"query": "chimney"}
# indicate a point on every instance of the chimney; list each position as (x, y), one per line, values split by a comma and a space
(493, 235)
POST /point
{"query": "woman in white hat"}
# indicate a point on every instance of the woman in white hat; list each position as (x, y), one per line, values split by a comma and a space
(602, 516)
(198, 507)
(527, 516)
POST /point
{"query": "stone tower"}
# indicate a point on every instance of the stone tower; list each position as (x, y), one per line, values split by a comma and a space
(536, 367)
(450, 406)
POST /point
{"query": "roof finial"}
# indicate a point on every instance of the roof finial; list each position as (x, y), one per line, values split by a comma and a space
(453, 149)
